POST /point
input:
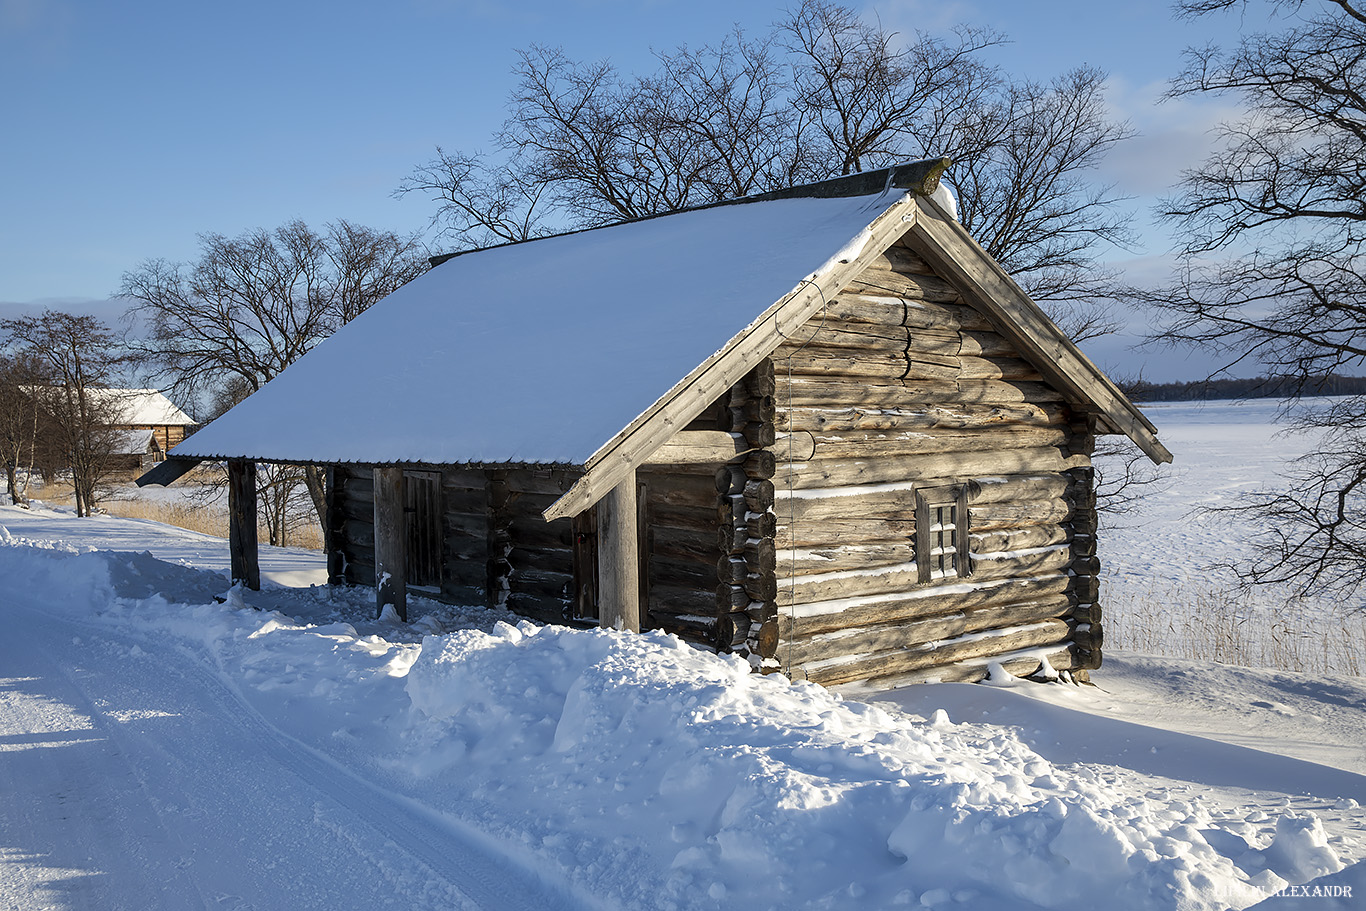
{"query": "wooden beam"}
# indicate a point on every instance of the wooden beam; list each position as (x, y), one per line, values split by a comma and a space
(699, 447)
(619, 558)
(167, 472)
(391, 541)
(242, 546)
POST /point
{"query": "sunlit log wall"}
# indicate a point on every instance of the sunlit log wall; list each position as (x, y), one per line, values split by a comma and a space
(905, 388)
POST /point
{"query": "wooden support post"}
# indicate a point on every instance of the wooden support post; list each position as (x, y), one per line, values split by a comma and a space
(391, 541)
(619, 558)
(242, 549)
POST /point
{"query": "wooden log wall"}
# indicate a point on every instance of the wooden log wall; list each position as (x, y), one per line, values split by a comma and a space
(904, 387)
(497, 549)
(680, 543)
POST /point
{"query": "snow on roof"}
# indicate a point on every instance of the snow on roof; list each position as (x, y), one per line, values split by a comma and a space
(145, 406)
(537, 352)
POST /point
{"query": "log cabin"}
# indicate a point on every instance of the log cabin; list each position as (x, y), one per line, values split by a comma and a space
(820, 428)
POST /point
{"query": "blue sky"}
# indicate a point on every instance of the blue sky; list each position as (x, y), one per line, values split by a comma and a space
(127, 129)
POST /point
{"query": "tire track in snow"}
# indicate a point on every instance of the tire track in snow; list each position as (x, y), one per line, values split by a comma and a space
(430, 861)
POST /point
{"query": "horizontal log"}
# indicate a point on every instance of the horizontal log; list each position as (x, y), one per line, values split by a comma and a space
(1015, 488)
(949, 416)
(886, 608)
(835, 532)
(902, 259)
(696, 544)
(1013, 369)
(862, 640)
(1089, 637)
(1024, 663)
(683, 573)
(800, 391)
(845, 502)
(834, 473)
(873, 443)
(545, 482)
(1018, 538)
(850, 367)
(1087, 588)
(699, 447)
(540, 581)
(535, 532)
(682, 599)
(541, 608)
(1086, 613)
(1058, 606)
(842, 556)
(359, 531)
(456, 591)
(1017, 564)
(1086, 566)
(989, 516)
(879, 280)
(973, 645)
(535, 559)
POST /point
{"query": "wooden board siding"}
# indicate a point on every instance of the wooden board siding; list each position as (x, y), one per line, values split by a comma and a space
(904, 388)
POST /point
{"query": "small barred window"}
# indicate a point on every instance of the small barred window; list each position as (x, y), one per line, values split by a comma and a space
(941, 533)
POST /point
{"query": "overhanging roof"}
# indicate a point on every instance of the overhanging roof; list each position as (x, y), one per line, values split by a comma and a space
(592, 349)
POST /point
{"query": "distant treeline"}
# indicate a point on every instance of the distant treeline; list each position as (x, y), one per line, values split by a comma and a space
(1253, 388)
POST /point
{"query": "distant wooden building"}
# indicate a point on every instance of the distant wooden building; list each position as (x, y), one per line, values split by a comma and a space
(822, 429)
(148, 411)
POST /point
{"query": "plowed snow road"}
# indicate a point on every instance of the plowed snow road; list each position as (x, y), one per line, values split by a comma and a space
(128, 781)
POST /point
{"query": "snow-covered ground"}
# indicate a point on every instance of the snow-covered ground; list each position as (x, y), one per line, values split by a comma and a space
(160, 748)
(1167, 588)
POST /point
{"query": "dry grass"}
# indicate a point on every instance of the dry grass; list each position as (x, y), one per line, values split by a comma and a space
(210, 518)
(1246, 628)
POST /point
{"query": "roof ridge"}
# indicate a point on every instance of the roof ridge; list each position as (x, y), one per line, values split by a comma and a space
(920, 177)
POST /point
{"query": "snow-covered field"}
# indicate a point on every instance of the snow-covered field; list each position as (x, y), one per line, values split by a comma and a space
(282, 750)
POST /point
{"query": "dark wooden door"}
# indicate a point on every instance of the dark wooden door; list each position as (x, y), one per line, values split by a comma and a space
(423, 513)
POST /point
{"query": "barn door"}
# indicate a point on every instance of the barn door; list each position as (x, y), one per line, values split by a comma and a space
(422, 509)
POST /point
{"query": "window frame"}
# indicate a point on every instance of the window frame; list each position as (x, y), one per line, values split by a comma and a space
(929, 533)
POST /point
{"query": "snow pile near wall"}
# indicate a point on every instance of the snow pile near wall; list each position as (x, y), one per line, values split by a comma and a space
(778, 793)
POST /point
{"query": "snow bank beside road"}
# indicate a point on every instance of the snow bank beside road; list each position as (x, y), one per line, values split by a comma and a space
(654, 775)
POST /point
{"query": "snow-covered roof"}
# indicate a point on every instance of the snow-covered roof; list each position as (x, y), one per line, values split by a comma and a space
(537, 352)
(594, 348)
(144, 407)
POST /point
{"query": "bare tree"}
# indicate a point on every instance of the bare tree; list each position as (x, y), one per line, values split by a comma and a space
(21, 422)
(824, 94)
(1271, 271)
(252, 305)
(79, 355)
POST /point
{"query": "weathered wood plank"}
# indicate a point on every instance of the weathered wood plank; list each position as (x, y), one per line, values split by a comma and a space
(619, 558)
(391, 542)
(887, 608)
(949, 416)
(828, 473)
(975, 645)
